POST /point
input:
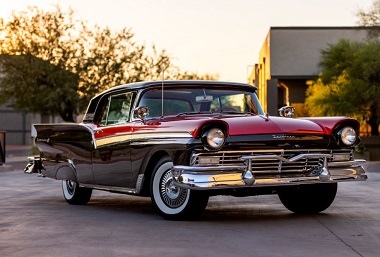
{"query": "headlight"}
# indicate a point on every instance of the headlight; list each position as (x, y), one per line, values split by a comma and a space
(215, 138)
(348, 136)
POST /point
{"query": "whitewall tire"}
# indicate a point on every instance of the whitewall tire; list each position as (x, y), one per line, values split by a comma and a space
(74, 194)
(170, 201)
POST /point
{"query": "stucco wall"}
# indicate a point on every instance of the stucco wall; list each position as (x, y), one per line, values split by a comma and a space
(296, 51)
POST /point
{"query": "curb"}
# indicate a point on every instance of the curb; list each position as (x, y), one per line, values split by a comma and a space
(14, 163)
(6, 167)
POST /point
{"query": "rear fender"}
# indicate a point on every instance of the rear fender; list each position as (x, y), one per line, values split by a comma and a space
(66, 172)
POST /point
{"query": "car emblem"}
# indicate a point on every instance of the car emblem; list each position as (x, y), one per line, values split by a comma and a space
(43, 140)
(282, 136)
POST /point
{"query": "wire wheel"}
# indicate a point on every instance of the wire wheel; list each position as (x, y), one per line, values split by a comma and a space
(171, 202)
(171, 195)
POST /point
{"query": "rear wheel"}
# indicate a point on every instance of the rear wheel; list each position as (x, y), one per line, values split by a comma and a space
(74, 194)
(171, 202)
(310, 199)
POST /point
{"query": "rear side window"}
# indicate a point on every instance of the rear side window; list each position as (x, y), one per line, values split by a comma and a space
(117, 109)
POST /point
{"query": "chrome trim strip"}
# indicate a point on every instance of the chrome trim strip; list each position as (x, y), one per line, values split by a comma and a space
(346, 163)
(280, 158)
(139, 183)
(113, 139)
(117, 138)
(278, 151)
(207, 168)
(180, 134)
(110, 188)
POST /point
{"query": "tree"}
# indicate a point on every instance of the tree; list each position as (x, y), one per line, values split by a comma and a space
(38, 86)
(349, 83)
(371, 19)
(53, 63)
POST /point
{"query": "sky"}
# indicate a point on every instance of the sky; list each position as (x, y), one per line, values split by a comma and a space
(221, 37)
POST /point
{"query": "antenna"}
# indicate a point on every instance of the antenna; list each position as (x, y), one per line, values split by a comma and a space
(162, 92)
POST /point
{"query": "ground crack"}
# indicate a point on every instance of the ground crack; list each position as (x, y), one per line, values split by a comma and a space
(340, 239)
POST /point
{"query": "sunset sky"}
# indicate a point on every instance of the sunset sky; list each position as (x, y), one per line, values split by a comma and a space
(205, 36)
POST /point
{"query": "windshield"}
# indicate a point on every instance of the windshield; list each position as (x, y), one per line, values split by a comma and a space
(184, 101)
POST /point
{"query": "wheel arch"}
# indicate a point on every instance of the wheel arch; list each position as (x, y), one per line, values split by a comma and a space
(148, 170)
(66, 172)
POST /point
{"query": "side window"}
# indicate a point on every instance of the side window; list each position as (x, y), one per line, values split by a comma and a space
(117, 109)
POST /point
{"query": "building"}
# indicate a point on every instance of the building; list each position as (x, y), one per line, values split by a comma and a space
(17, 125)
(289, 58)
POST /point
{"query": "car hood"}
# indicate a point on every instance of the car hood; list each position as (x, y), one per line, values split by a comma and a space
(240, 125)
(272, 125)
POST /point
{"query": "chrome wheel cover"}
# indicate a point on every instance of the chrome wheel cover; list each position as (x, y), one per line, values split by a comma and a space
(171, 195)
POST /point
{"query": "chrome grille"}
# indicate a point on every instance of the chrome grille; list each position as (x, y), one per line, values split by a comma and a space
(232, 158)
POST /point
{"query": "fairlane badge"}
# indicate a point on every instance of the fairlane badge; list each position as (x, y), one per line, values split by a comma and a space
(282, 136)
(43, 140)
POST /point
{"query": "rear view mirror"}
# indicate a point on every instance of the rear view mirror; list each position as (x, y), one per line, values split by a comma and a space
(204, 98)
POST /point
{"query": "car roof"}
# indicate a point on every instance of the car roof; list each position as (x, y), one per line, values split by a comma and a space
(172, 83)
(194, 83)
(146, 84)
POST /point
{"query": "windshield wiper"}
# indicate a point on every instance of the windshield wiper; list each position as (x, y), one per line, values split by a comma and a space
(190, 113)
(230, 112)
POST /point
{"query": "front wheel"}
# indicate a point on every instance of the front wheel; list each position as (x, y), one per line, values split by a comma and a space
(74, 194)
(171, 202)
(310, 199)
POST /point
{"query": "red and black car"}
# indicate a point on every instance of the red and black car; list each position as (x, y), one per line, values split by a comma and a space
(181, 142)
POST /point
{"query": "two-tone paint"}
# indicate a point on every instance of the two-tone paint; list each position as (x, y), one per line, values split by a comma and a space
(120, 158)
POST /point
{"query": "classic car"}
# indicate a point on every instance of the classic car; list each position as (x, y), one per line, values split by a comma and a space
(181, 142)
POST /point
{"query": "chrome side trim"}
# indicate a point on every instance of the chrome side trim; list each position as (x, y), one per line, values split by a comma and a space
(110, 188)
(139, 183)
(113, 139)
(137, 136)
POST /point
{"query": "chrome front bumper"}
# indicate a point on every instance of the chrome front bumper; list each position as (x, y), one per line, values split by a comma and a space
(219, 177)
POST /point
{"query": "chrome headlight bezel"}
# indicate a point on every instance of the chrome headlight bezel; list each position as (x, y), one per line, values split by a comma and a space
(214, 138)
(348, 136)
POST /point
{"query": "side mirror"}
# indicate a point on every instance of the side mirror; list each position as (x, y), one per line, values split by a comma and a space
(141, 112)
(287, 111)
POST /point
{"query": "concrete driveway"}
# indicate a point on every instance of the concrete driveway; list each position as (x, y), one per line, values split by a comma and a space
(36, 221)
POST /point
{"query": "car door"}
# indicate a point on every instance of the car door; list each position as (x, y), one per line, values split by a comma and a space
(112, 154)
